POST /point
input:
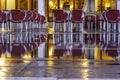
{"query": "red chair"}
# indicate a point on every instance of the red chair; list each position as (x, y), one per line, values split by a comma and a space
(33, 24)
(26, 28)
(77, 18)
(112, 18)
(17, 18)
(60, 20)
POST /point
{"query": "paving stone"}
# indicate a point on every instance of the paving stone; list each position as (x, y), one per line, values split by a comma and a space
(68, 69)
(27, 78)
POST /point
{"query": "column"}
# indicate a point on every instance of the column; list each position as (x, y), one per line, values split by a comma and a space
(118, 4)
(41, 7)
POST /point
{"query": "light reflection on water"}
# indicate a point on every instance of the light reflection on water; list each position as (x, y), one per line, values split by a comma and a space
(10, 66)
(3, 69)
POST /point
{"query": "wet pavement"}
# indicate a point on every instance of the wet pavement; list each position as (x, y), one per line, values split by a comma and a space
(58, 69)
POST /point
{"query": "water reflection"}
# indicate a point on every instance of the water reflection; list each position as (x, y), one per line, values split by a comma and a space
(27, 56)
(50, 63)
(3, 70)
(2, 62)
(85, 63)
(85, 73)
(2, 74)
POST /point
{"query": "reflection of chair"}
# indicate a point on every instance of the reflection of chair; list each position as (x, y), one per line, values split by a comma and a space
(77, 50)
(17, 18)
(112, 50)
(59, 50)
(17, 50)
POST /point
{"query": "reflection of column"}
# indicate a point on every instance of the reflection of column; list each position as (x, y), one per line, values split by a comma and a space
(86, 6)
(89, 5)
(101, 5)
(3, 4)
(41, 7)
(10, 4)
(29, 4)
(92, 5)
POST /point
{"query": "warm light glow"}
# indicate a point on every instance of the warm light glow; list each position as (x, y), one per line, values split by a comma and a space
(96, 5)
(3, 30)
(3, 56)
(50, 51)
(27, 56)
(107, 5)
(10, 4)
(61, 6)
(104, 56)
(2, 5)
(85, 64)
(9, 55)
(50, 30)
(71, 7)
(2, 69)
(51, 3)
(50, 63)
(2, 74)
(2, 62)
(85, 73)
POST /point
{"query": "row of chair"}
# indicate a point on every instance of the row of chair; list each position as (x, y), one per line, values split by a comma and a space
(72, 25)
(21, 31)
(108, 38)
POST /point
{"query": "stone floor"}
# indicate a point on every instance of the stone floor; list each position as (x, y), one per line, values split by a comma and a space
(45, 69)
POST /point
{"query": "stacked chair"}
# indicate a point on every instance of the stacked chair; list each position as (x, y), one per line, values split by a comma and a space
(60, 22)
(77, 19)
(109, 33)
(67, 31)
(91, 25)
(21, 31)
